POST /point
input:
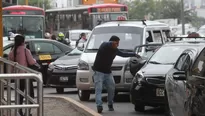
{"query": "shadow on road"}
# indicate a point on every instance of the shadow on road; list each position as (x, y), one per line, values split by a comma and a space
(66, 92)
(119, 98)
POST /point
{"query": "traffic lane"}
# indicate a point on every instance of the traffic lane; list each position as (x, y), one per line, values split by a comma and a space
(122, 104)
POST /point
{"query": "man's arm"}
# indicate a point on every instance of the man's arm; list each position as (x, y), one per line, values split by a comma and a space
(126, 54)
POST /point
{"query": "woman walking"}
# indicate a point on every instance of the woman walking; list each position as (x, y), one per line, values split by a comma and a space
(22, 56)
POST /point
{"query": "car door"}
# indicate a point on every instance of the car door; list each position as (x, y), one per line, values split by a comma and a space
(45, 52)
(195, 87)
(172, 83)
(181, 84)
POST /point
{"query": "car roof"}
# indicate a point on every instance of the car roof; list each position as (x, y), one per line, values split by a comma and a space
(199, 44)
(7, 42)
(133, 23)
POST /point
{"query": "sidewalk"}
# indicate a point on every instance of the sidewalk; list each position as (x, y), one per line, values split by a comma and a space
(62, 106)
(59, 107)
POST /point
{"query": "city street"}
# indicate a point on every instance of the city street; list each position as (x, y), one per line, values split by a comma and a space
(122, 105)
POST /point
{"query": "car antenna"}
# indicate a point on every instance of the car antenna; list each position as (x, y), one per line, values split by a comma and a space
(143, 22)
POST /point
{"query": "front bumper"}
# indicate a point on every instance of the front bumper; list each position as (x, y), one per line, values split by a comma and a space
(148, 95)
(68, 79)
(84, 80)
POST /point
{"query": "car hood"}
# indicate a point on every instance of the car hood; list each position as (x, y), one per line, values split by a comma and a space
(90, 58)
(67, 60)
(155, 69)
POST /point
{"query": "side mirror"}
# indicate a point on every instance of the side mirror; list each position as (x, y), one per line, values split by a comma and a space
(179, 76)
(136, 64)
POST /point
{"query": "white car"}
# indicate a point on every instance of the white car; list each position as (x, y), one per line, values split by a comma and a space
(73, 35)
(131, 34)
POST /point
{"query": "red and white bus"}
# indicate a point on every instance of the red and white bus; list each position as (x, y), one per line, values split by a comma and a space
(27, 20)
(83, 17)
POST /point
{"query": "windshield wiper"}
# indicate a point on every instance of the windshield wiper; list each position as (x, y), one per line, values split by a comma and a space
(154, 62)
(91, 50)
(126, 50)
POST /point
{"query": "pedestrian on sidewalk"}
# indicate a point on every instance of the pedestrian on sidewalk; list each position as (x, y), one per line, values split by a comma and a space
(22, 56)
(102, 70)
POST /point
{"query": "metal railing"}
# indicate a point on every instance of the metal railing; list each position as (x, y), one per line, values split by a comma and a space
(11, 75)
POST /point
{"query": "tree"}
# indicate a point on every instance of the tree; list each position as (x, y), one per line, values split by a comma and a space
(161, 9)
(38, 3)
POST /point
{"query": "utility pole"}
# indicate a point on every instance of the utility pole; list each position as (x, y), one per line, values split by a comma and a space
(26, 2)
(44, 4)
(1, 30)
(182, 17)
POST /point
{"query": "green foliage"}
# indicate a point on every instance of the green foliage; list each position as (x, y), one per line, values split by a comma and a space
(38, 3)
(162, 9)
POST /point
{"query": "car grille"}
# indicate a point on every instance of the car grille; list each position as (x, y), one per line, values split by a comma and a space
(117, 79)
(156, 80)
(116, 68)
(66, 68)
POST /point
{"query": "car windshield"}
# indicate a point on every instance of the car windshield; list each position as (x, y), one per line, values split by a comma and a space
(167, 54)
(149, 50)
(129, 37)
(75, 52)
(31, 27)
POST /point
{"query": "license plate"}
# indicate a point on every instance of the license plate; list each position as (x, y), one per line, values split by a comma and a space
(63, 79)
(45, 57)
(159, 92)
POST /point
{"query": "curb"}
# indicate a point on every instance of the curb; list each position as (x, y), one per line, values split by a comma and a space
(84, 109)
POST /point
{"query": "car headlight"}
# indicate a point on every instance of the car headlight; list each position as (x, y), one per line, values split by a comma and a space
(139, 78)
(127, 66)
(127, 75)
(51, 65)
(82, 65)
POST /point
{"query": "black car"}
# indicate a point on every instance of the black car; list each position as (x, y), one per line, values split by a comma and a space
(43, 50)
(147, 88)
(185, 84)
(62, 72)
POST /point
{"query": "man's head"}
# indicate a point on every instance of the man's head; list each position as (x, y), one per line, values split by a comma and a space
(83, 35)
(115, 41)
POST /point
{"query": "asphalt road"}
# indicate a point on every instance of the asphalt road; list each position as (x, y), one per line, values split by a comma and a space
(122, 105)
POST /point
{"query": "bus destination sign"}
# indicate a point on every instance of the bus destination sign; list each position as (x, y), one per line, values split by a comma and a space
(108, 9)
(22, 12)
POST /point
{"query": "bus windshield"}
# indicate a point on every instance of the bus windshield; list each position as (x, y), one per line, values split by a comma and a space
(101, 18)
(28, 25)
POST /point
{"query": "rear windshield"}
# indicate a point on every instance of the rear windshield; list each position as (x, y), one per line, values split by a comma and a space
(129, 37)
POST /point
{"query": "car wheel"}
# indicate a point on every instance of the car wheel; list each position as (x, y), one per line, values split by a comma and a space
(84, 95)
(59, 90)
(167, 109)
(139, 107)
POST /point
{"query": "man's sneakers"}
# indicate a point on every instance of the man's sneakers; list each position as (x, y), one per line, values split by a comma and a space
(110, 107)
(100, 109)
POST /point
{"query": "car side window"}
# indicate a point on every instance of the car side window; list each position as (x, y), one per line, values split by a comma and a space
(180, 61)
(157, 36)
(198, 68)
(186, 63)
(46, 47)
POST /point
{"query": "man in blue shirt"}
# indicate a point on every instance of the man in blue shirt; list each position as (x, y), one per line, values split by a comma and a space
(102, 68)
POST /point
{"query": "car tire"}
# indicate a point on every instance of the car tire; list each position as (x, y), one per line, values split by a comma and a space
(139, 107)
(59, 90)
(84, 95)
